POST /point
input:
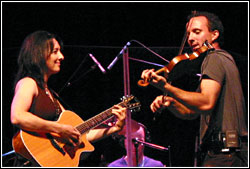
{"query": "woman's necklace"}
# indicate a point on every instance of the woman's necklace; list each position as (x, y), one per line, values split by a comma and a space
(54, 101)
(47, 91)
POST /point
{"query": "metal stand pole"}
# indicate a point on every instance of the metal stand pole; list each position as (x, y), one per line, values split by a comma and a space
(136, 144)
(127, 93)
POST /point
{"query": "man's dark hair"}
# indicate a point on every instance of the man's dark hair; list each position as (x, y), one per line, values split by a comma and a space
(214, 23)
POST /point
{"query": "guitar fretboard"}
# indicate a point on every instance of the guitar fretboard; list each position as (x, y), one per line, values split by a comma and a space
(96, 120)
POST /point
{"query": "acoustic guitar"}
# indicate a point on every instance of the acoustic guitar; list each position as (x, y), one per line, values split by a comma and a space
(48, 150)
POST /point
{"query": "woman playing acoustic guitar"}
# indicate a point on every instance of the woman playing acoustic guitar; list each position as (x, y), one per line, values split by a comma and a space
(35, 108)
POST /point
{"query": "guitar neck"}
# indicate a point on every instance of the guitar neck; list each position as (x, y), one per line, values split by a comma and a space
(95, 121)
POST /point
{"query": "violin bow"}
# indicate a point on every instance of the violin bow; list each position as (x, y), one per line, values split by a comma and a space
(184, 39)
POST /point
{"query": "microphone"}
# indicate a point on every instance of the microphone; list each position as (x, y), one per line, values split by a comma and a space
(118, 56)
(136, 140)
(97, 63)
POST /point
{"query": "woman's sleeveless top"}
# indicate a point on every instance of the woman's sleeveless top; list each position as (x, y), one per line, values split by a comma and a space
(44, 107)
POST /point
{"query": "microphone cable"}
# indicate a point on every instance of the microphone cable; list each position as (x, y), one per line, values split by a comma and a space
(150, 50)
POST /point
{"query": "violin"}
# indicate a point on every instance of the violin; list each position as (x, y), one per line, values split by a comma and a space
(167, 69)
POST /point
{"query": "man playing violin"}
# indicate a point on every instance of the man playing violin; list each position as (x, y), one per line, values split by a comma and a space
(219, 99)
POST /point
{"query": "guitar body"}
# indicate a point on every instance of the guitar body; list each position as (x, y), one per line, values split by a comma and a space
(48, 151)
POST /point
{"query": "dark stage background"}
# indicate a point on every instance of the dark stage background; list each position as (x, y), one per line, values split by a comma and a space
(103, 29)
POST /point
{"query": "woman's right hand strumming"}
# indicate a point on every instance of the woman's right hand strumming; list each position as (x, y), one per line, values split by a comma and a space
(70, 135)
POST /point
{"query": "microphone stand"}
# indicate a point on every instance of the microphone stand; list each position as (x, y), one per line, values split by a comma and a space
(126, 58)
(136, 154)
(68, 83)
(127, 93)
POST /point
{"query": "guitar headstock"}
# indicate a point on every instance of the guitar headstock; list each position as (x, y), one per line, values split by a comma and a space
(131, 103)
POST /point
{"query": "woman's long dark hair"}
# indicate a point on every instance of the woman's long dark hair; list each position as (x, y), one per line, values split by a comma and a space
(33, 54)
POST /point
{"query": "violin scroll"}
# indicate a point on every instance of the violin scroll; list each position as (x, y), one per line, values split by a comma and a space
(142, 83)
